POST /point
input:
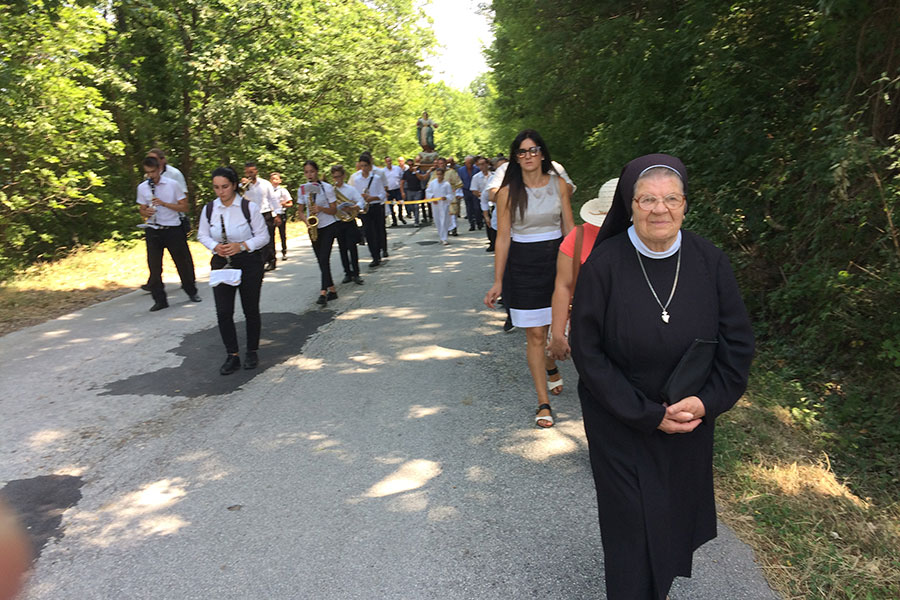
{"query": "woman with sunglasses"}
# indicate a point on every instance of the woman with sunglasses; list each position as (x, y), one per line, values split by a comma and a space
(533, 215)
(663, 344)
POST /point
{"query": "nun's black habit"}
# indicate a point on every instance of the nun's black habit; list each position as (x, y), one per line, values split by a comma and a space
(654, 490)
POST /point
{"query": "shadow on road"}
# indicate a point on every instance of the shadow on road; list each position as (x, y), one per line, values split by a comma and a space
(283, 336)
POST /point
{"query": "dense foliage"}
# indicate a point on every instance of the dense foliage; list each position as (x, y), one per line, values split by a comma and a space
(786, 114)
(89, 87)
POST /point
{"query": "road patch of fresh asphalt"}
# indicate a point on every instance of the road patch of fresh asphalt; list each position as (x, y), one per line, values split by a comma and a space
(283, 336)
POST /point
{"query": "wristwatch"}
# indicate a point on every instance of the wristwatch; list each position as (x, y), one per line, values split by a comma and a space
(243, 247)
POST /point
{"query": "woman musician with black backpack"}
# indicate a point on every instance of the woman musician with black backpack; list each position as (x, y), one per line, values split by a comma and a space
(234, 230)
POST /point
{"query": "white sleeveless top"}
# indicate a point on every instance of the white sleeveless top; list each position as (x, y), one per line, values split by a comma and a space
(543, 216)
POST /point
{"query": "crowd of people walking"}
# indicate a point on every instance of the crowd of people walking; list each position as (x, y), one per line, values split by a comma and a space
(650, 313)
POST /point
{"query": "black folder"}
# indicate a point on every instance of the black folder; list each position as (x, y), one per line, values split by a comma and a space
(692, 371)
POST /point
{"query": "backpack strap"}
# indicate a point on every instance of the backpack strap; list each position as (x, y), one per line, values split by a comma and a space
(245, 208)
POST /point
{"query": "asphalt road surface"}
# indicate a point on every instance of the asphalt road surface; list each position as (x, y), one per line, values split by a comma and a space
(385, 448)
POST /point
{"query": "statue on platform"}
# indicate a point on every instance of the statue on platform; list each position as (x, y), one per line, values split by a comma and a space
(425, 131)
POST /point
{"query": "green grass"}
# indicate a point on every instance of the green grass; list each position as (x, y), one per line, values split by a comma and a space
(777, 486)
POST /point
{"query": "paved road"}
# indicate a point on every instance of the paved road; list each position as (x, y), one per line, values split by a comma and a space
(386, 449)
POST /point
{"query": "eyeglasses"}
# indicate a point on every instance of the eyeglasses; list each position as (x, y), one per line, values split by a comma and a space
(534, 151)
(672, 201)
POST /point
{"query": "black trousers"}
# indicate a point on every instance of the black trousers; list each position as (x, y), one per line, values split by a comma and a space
(376, 234)
(173, 240)
(396, 210)
(348, 237)
(268, 252)
(282, 230)
(322, 249)
(251, 266)
(473, 210)
(491, 235)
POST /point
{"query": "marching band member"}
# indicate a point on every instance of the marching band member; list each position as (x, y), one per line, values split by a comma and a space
(260, 192)
(371, 187)
(318, 200)
(160, 200)
(443, 191)
(282, 204)
(347, 231)
(235, 231)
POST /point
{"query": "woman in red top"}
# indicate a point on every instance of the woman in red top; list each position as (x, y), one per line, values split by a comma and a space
(593, 212)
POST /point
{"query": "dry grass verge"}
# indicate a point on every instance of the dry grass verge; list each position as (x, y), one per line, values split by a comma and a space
(776, 488)
(86, 276)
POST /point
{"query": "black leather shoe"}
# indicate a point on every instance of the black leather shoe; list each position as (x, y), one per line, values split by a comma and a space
(195, 298)
(321, 300)
(251, 360)
(146, 287)
(374, 264)
(331, 296)
(231, 364)
(358, 280)
(384, 254)
(347, 279)
(159, 306)
(471, 228)
(454, 232)
(489, 249)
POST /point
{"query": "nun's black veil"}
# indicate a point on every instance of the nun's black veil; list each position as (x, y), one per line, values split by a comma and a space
(619, 217)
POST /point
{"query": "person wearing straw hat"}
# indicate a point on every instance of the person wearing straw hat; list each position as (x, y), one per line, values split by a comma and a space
(579, 242)
(663, 345)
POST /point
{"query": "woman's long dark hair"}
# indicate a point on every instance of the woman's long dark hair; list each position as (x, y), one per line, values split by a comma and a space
(518, 196)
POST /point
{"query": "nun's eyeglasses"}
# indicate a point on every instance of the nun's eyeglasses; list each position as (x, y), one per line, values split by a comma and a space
(672, 201)
(534, 151)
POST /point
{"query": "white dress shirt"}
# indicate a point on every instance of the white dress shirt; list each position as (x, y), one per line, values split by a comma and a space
(262, 194)
(176, 175)
(376, 188)
(255, 234)
(393, 176)
(281, 195)
(324, 197)
(168, 191)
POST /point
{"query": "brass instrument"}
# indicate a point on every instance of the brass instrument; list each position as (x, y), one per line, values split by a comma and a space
(347, 211)
(312, 221)
(244, 185)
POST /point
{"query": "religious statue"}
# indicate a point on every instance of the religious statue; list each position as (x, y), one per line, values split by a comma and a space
(425, 131)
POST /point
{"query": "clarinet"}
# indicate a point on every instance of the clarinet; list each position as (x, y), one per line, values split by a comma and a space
(225, 239)
(151, 220)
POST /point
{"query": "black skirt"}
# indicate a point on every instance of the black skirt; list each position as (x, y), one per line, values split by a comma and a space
(530, 274)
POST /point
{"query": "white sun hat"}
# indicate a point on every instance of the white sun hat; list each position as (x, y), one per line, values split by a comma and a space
(594, 210)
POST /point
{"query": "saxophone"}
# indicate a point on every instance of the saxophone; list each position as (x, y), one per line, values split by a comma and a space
(312, 221)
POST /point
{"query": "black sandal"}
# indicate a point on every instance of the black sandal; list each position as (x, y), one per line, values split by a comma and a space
(549, 417)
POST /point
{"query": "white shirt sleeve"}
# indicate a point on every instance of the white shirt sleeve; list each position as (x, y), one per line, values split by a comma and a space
(203, 233)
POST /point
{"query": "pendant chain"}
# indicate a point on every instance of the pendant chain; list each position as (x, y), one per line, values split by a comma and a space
(665, 312)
